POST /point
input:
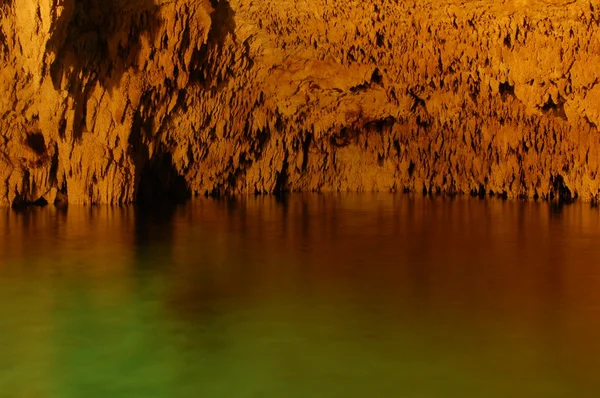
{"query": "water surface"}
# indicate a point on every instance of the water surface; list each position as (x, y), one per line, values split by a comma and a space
(311, 296)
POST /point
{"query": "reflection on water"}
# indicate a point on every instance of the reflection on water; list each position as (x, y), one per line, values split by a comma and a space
(311, 296)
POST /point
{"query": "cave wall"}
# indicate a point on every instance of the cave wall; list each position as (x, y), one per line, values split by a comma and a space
(229, 97)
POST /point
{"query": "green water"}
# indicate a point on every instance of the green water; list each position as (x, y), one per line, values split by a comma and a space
(313, 296)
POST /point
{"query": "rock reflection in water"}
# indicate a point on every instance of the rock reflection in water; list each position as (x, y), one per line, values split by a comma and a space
(313, 295)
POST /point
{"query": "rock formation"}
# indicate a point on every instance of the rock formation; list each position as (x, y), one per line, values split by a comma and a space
(112, 101)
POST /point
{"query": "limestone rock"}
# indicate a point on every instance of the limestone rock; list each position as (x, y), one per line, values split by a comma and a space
(112, 101)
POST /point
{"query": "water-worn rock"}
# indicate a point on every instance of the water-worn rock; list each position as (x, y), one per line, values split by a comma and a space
(109, 101)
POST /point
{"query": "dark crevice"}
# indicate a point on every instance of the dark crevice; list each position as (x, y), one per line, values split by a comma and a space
(53, 175)
(62, 128)
(305, 150)
(506, 90)
(343, 137)
(559, 191)
(20, 204)
(37, 143)
(556, 109)
(508, 41)
(381, 125)
(62, 194)
(589, 122)
(411, 169)
(360, 87)
(24, 199)
(418, 102)
(377, 77)
(282, 177)
(379, 39)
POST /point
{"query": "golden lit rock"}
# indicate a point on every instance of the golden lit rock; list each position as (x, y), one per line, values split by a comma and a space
(113, 101)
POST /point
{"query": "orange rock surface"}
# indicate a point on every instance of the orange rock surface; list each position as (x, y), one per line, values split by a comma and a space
(112, 101)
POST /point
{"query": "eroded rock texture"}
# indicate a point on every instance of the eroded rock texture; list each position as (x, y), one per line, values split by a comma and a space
(109, 101)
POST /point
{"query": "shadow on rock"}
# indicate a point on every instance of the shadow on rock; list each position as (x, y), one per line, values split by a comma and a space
(103, 41)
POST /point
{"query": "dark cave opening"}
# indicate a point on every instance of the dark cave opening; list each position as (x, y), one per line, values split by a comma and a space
(160, 183)
(560, 192)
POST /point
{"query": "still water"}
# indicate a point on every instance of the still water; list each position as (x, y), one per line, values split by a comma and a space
(311, 296)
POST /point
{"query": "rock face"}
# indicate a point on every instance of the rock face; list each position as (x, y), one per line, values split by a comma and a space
(112, 101)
